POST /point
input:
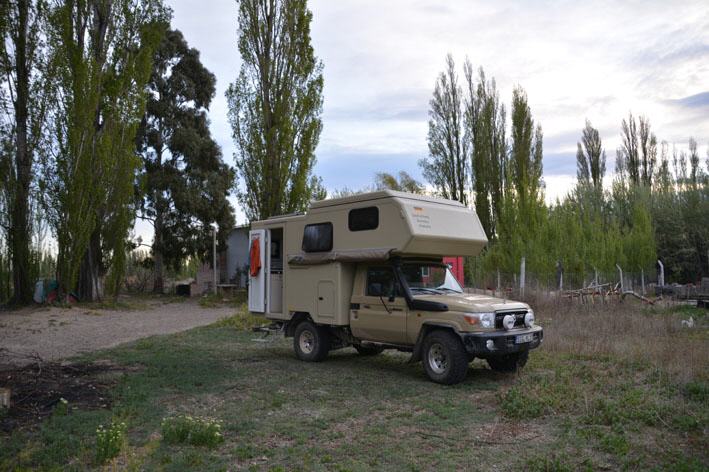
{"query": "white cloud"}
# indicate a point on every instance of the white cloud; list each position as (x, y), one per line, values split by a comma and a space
(576, 60)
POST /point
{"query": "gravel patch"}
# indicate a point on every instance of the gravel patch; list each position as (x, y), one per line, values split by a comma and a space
(57, 333)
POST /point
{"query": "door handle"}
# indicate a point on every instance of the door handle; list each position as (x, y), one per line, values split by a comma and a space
(320, 298)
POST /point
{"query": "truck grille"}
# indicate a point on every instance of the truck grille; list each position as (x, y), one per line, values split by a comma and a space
(519, 318)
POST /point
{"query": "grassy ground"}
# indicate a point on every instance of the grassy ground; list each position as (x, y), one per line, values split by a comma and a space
(572, 408)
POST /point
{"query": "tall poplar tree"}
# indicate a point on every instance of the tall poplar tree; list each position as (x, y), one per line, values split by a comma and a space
(186, 183)
(104, 52)
(485, 122)
(637, 156)
(275, 106)
(447, 166)
(590, 158)
(23, 106)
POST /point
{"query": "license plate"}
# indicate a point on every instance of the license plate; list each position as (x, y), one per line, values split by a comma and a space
(524, 338)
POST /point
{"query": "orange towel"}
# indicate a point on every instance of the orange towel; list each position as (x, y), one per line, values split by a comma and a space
(255, 257)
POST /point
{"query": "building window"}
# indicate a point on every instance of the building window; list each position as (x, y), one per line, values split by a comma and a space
(363, 219)
(317, 237)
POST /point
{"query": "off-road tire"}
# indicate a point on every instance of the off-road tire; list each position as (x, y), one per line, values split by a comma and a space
(311, 342)
(444, 357)
(368, 350)
(510, 363)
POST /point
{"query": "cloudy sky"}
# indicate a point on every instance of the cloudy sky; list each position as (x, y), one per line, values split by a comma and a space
(577, 60)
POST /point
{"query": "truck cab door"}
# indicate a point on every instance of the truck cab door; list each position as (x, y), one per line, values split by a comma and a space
(374, 315)
(258, 270)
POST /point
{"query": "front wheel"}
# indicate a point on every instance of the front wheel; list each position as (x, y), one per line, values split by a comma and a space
(310, 342)
(444, 357)
(509, 363)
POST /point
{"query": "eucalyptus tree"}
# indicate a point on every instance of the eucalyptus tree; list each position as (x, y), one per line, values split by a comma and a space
(103, 51)
(23, 107)
(447, 166)
(185, 181)
(275, 106)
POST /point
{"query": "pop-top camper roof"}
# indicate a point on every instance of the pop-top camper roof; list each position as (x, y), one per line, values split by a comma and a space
(377, 225)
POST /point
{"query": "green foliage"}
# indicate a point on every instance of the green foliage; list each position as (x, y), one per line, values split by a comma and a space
(185, 429)
(275, 106)
(447, 166)
(25, 82)
(515, 404)
(485, 121)
(404, 182)
(109, 441)
(103, 56)
(185, 182)
(243, 320)
(590, 159)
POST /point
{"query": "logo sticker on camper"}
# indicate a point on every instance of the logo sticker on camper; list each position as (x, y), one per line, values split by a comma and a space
(422, 220)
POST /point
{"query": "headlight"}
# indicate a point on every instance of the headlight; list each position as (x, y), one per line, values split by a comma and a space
(484, 320)
(529, 319)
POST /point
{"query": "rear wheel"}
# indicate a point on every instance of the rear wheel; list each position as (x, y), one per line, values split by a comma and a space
(310, 342)
(444, 357)
(368, 349)
(509, 363)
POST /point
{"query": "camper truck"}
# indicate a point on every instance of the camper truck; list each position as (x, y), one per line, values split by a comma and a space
(367, 271)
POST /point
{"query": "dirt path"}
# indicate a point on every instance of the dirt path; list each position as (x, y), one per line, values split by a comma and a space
(57, 333)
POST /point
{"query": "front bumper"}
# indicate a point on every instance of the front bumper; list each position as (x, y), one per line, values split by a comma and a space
(503, 342)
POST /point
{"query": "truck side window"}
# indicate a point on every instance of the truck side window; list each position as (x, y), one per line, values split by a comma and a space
(317, 237)
(363, 219)
(381, 282)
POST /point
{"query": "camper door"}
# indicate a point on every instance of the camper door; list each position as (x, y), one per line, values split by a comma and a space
(258, 270)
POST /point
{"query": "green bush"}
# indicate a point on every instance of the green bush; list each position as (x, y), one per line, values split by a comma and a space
(242, 320)
(516, 404)
(185, 429)
(109, 442)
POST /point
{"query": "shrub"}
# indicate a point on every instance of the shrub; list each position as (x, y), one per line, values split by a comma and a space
(185, 429)
(515, 404)
(109, 442)
(242, 320)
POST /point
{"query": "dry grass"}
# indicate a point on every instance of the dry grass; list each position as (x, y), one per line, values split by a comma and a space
(630, 332)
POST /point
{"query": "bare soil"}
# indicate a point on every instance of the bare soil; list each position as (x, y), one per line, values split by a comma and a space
(38, 388)
(54, 333)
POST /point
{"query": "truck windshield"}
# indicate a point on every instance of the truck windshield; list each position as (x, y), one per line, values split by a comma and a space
(427, 277)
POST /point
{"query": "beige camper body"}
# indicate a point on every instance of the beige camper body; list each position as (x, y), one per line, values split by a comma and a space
(366, 271)
(320, 283)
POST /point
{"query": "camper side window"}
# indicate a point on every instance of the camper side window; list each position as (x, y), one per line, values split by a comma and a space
(317, 237)
(363, 219)
(381, 282)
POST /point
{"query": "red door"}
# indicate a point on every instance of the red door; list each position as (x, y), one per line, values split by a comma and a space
(456, 266)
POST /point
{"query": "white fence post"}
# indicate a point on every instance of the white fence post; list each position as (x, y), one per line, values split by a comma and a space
(620, 271)
(661, 276)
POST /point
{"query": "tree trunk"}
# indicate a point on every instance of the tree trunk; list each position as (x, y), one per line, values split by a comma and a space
(19, 224)
(157, 251)
(90, 287)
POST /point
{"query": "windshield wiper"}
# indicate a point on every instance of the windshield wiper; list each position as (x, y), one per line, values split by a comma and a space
(425, 289)
(449, 289)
